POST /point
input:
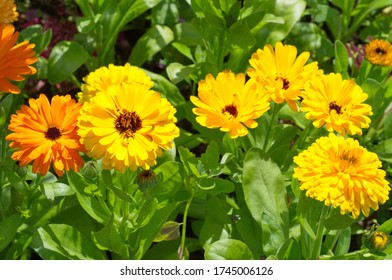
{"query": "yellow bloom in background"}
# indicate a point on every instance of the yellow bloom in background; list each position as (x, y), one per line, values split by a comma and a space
(8, 13)
(229, 103)
(342, 174)
(103, 77)
(128, 125)
(15, 60)
(282, 73)
(46, 132)
(337, 103)
(379, 52)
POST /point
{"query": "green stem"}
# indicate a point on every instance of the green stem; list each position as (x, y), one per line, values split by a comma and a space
(184, 224)
(275, 109)
(319, 235)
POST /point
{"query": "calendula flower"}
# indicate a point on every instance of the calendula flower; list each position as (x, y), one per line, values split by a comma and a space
(337, 103)
(378, 241)
(15, 60)
(103, 77)
(229, 103)
(128, 125)
(8, 13)
(45, 133)
(282, 73)
(379, 52)
(342, 174)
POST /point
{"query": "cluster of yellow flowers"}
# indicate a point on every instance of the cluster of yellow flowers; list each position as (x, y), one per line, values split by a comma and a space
(335, 169)
(123, 122)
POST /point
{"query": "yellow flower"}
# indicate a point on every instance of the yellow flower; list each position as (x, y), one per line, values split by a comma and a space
(103, 77)
(8, 13)
(282, 73)
(378, 241)
(46, 132)
(128, 125)
(379, 52)
(15, 60)
(229, 103)
(337, 103)
(343, 174)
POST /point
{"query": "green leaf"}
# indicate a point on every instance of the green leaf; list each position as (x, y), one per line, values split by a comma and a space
(108, 238)
(343, 245)
(172, 180)
(264, 188)
(8, 228)
(35, 35)
(153, 41)
(178, 72)
(52, 190)
(341, 59)
(87, 24)
(59, 241)
(240, 36)
(90, 204)
(289, 250)
(338, 221)
(386, 227)
(228, 249)
(65, 58)
(210, 158)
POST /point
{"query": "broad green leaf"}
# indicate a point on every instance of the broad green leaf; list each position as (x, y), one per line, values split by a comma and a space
(178, 72)
(208, 10)
(35, 35)
(59, 241)
(338, 221)
(341, 59)
(386, 227)
(273, 234)
(228, 249)
(240, 36)
(8, 228)
(217, 224)
(65, 58)
(165, 13)
(87, 24)
(90, 204)
(153, 41)
(108, 238)
(52, 190)
(210, 158)
(343, 245)
(172, 180)
(264, 188)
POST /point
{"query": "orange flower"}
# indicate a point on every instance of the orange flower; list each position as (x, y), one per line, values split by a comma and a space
(15, 60)
(46, 133)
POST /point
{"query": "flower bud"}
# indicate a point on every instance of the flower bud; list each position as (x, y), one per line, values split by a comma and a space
(147, 181)
(90, 170)
(378, 241)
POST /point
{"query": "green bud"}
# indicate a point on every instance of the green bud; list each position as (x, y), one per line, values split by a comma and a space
(90, 170)
(147, 181)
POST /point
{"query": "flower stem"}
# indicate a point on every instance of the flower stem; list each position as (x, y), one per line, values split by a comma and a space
(184, 224)
(275, 110)
(319, 235)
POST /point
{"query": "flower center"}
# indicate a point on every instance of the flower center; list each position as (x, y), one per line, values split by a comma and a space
(336, 107)
(128, 123)
(285, 82)
(349, 158)
(231, 110)
(53, 133)
(380, 51)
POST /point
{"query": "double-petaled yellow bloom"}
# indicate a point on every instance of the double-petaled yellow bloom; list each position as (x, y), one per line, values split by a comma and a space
(336, 103)
(229, 103)
(282, 73)
(104, 77)
(342, 174)
(8, 13)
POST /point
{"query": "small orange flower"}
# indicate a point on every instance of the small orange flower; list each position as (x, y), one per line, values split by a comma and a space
(47, 132)
(379, 52)
(15, 60)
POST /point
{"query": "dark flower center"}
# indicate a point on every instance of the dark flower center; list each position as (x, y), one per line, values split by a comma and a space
(53, 133)
(285, 82)
(347, 157)
(231, 109)
(380, 51)
(128, 123)
(336, 107)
